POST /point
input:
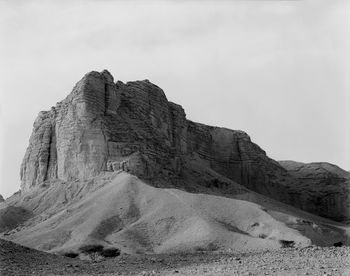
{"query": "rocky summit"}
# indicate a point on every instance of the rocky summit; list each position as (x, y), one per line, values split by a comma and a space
(105, 126)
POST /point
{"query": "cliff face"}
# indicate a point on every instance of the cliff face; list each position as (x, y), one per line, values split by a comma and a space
(106, 126)
(68, 142)
(321, 188)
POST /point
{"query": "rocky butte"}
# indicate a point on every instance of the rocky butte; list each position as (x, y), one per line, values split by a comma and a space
(104, 125)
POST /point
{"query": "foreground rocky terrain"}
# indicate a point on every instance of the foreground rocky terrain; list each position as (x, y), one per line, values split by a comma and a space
(18, 260)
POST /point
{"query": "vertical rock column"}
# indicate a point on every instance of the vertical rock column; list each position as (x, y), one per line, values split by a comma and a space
(70, 141)
(39, 159)
(81, 133)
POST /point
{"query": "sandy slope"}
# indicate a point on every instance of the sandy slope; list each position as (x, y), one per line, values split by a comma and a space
(120, 210)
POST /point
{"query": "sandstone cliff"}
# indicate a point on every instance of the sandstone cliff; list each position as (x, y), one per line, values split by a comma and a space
(106, 126)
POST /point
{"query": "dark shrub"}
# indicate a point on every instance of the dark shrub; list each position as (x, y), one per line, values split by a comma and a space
(93, 250)
(338, 244)
(287, 244)
(212, 247)
(199, 249)
(71, 254)
(110, 252)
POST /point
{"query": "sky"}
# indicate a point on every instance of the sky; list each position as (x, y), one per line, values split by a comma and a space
(279, 70)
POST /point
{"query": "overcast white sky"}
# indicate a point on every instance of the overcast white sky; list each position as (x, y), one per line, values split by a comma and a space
(278, 70)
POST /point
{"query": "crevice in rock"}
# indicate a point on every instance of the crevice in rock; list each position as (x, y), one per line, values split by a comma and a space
(48, 157)
(106, 98)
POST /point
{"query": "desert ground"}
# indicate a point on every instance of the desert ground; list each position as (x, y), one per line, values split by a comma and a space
(206, 234)
(166, 232)
(19, 260)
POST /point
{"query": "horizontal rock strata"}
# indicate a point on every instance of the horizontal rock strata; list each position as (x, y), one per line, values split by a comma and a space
(104, 126)
(321, 188)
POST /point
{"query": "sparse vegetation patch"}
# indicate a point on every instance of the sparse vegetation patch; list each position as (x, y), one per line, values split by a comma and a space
(71, 254)
(92, 250)
(287, 244)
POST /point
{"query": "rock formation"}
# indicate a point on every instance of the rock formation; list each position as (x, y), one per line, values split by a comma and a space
(324, 188)
(106, 126)
(1, 198)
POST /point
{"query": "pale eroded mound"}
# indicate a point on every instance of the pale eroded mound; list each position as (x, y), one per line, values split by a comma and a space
(120, 210)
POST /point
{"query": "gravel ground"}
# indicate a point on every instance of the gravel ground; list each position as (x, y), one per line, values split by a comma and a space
(18, 260)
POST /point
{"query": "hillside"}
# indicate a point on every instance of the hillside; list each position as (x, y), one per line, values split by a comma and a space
(106, 126)
(119, 165)
(120, 210)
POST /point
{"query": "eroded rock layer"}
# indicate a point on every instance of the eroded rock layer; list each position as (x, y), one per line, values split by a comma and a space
(321, 188)
(105, 126)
